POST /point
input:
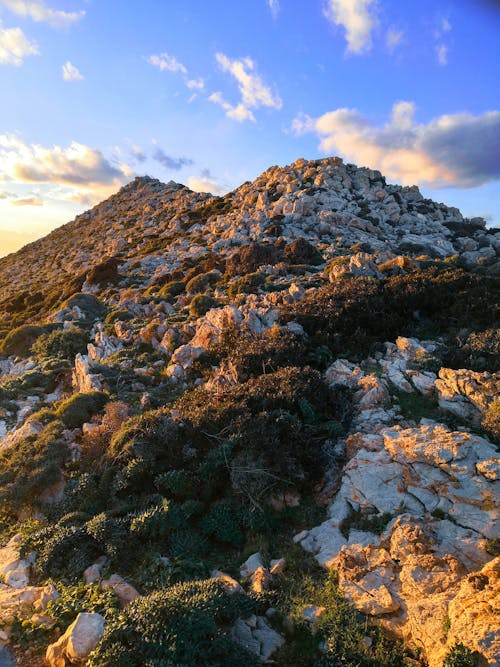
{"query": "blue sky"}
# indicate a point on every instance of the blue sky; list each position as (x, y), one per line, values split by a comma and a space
(210, 94)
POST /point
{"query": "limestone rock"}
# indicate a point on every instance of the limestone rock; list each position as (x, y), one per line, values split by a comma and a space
(256, 635)
(83, 379)
(125, 592)
(467, 394)
(78, 641)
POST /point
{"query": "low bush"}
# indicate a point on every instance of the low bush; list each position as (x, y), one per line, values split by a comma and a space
(248, 284)
(172, 289)
(77, 598)
(202, 282)
(32, 466)
(340, 629)
(201, 304)
(19, 340)
(104, 273)
(89, 305)
(351, 315)
(184, 625)
(79, 408)
(249, 257)
(301, 251)
(460, 656)
(61, 344)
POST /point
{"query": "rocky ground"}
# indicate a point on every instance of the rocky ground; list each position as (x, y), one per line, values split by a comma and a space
(248, 418)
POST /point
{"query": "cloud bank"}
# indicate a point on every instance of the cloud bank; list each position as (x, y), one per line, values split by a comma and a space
(84, 174)
(457, 150)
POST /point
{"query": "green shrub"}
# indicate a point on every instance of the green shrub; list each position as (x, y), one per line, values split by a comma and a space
(181, 625)
(248, 284)
(61, 344)
(201, 304)
(172, 289)
(64, 553)
(19, 340)
(351, 315)
(104, 273)
(201, 282)
(77, 598)
(248, 258)
(79, 408)
(340, 628)
(91, 308)
(118, 316)
(460, 656)
(32, 466)
(153, 523)
(223, 524)
(150, 436)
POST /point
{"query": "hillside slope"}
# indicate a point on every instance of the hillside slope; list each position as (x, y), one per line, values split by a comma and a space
(256, 425)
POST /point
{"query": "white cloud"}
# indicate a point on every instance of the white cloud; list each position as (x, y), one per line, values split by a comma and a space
(357, 18)
(196, 84)
(206, 183)
(458, 150)
(71, 73)
(254, 92)
(442, 54)
(82, 172)
(14, 46)
(274, 6)
(28, 201)
(38, 11)
(167, 62)
(393, 38)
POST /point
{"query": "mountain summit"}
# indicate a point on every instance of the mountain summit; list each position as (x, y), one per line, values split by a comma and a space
(251, 427)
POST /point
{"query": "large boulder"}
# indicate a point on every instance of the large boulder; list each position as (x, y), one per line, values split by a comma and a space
(79, 640)
(467, 394)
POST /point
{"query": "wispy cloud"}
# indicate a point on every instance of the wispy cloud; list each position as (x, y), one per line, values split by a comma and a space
(138, 154)
(254, 92)
(274, 6)
(82, 172)
(38, 11)
(458, 150)
(196, 84)
(358, 19)
(28, 201)
(169, 162)
(393, 38)
(440, 35)
(15, 46)
(71, 73)
(442, 54)
(167, 62)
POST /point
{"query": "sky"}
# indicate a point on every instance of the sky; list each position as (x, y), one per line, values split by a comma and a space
(210, 94)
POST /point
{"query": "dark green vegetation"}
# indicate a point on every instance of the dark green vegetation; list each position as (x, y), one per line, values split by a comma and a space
(351, 316)
(169, 488)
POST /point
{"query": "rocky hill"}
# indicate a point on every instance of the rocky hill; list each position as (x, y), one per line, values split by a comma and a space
(255, 427)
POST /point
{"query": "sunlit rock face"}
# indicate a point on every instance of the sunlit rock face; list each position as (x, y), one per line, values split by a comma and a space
(436, 491)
